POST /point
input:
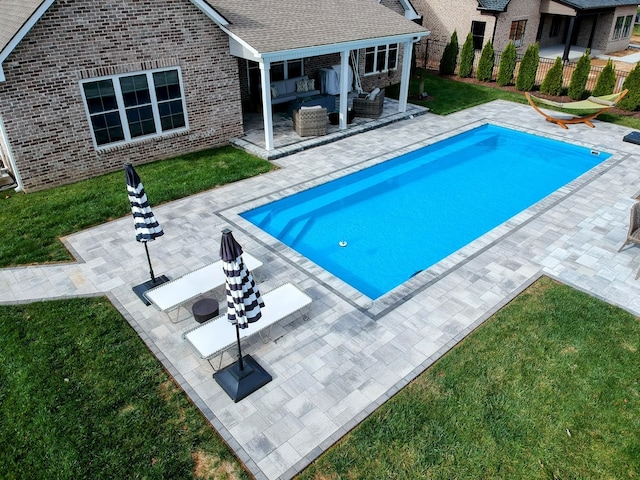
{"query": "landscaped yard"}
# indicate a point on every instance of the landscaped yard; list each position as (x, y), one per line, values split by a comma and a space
(548, 388)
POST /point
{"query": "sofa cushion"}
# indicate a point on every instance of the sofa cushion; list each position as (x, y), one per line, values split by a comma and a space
(274, 91)
(373, 94)
(301, 86)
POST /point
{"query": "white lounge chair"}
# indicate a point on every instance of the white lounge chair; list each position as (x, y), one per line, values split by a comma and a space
(217, 335)
(210, 278)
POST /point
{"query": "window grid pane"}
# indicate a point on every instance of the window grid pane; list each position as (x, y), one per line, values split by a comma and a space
(107, 108)
(392, 62)
(381, 59)
(369, 59)
(171, 115)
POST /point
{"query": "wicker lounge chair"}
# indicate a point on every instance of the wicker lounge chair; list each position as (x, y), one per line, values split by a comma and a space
(633, 235)
(364, 107)
(310, 121)
(595, 105)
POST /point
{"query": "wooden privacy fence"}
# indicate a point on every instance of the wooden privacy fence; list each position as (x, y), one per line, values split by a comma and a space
(429, 55)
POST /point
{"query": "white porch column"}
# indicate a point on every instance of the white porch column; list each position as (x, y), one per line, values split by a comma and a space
(267, 114)
(406, 76)
(344, 88)
(12, 161)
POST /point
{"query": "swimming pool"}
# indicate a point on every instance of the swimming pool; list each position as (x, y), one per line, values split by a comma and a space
(376, 228)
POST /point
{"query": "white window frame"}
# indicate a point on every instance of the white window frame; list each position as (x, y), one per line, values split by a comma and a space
(285, 67)
(628, 24)
(122, 109)
(385, 68)
(617, 28)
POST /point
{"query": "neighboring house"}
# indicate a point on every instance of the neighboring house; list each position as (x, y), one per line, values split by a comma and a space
(87, 85)
(601, 25)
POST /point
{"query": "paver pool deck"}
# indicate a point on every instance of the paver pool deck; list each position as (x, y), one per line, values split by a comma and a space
(352, 354)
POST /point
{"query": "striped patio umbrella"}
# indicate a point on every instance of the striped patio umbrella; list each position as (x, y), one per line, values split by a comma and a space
(243, 307)
(146, 225)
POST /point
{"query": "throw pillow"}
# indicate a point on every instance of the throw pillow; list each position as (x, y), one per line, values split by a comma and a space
(301, 86)
(311, 84)
(274, 92)
(373, 94)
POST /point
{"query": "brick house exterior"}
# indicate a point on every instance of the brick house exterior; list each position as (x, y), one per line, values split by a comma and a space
(41, 103)
(590, 24)
(88, 85)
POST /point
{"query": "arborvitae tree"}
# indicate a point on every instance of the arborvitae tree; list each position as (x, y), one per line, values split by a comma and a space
(486, 63)
(507, 66)
(606, 80)
(528, 69)
(580, 76)
(466, 58)
(631, 100)
(552, 83)
(450, 56)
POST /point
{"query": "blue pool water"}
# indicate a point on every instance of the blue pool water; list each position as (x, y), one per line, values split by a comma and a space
(406, 214)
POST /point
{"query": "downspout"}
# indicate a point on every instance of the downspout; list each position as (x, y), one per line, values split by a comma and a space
(495, 26)
(12, 160)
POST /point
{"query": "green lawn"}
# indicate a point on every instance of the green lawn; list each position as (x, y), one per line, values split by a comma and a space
(30, 225)
(448, 96)
(82, 397)
(548, 388)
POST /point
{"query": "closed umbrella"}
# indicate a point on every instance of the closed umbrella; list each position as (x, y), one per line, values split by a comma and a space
(243, 308)
(146, 226)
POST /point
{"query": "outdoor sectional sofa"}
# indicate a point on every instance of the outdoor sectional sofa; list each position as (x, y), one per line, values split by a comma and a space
(283, 91)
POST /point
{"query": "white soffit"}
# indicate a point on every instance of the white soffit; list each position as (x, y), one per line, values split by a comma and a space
(554, 8)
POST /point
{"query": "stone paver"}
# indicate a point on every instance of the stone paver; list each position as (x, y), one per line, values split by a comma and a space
(332, 370)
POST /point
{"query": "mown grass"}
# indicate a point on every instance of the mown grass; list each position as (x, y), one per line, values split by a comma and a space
(448, 96)
(82, 397)
(548, 388)
(31, 225)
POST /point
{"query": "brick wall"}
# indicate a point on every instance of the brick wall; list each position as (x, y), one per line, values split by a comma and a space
(41, 102)
(518, 10)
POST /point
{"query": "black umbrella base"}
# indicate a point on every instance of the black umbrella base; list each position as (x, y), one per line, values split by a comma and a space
(240, 383)
(148, 285)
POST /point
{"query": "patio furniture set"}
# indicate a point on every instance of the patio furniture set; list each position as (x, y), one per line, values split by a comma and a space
(310, 117)
(215, 335)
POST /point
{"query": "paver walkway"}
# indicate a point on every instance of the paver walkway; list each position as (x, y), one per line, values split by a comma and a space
(331, 371)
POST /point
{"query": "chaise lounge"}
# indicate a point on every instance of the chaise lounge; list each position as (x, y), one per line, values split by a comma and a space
(216, 336)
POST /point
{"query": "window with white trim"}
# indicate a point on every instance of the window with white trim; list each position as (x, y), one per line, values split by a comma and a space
(626, 31)
(617, 29)
(517, 32)
(127, 107)
(382, 58)
(286, 69)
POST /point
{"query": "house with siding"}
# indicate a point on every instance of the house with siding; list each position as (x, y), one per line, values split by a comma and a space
(603, 26)
(87, 85)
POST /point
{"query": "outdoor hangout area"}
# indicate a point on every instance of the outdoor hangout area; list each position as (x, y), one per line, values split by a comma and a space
(337, 358)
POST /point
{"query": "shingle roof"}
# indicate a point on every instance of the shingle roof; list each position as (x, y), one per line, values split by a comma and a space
(269, 25)
(593, 4)
(13, 15)
(276, 25)
(493, 5)
(501, 5)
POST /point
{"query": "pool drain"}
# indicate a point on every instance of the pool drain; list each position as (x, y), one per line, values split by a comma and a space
(342, 243)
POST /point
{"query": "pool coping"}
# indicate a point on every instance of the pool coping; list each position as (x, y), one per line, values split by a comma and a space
(377, 308)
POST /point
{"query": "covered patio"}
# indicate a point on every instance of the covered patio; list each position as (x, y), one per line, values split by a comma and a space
(286, 141)
(319, 37)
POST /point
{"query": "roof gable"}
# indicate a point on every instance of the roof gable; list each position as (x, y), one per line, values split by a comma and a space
(277, 25)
